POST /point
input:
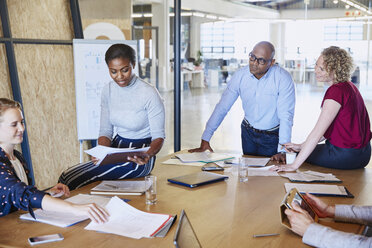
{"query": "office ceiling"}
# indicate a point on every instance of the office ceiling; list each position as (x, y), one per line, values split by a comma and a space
(297, 4)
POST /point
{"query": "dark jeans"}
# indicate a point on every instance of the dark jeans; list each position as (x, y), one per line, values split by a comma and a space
(330, 156)
(85, 173)
(259, 143)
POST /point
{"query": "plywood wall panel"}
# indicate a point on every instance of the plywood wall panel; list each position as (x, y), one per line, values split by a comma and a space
(5, 87)
(1, 29)
(48, 91)
(40, 19)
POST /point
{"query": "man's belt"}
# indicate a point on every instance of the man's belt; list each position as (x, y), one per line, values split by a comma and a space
(268, 131)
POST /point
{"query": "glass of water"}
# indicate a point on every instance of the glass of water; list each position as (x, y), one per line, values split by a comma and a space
(243, 170)
(150, 182)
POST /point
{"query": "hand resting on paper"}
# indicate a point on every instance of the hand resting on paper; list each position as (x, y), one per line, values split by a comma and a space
(284, 167)
(204, 145)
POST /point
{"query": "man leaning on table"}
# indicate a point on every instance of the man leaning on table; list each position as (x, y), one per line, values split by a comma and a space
(268, 97)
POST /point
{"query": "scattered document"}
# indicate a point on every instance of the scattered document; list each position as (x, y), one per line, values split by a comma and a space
(319, 189)
(110, 155)
(256, 162)
(310, 176)
(205, 157)
(128, 221)
(120, 188)
(263, 171)
(66, 219)
(176, 161)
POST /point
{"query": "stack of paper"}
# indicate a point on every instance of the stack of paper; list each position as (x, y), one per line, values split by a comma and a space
(319, 189)
(128, 221)
(66, 219)
(109, 155)
(205, 157)
(120, 188)
(310, 176)
(255, 162)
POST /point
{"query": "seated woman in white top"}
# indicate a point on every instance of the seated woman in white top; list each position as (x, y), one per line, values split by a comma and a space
(16, 191)
(320, 236)
(135, 110)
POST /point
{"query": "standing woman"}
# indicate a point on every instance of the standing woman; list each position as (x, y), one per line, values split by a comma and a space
(16, 191)
(343, 122)
(135, 111)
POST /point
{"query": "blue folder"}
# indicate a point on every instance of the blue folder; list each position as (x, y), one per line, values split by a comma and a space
(197, 179)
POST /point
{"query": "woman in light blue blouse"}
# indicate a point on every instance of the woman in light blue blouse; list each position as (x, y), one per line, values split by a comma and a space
(16, 191)
(132, 115)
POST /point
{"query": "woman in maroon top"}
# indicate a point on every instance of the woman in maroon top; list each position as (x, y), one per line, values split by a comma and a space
(343, 122)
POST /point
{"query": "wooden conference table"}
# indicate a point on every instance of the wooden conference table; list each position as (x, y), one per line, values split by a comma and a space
(223, 214)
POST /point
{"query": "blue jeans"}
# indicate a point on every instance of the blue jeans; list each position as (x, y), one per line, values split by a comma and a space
(330, 156)
(259, 143)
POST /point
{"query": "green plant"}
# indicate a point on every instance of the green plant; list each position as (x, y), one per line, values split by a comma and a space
(199, 58)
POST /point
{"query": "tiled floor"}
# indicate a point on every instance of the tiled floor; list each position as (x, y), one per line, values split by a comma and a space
(198, 104)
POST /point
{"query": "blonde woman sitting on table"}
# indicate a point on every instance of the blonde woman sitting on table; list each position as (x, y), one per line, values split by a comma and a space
(135, 110)
(16, 191)
(343, 121)
(320, 236)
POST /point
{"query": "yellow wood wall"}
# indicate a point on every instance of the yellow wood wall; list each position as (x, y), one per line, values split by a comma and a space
(47, 84)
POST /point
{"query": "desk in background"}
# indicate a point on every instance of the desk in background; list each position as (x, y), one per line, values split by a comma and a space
(223, 214)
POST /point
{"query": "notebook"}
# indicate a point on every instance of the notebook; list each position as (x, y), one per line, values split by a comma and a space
(185, 236)
(197, 179)
(120, 188)
(320, 189)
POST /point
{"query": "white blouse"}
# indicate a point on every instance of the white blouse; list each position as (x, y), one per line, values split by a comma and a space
(20, 172)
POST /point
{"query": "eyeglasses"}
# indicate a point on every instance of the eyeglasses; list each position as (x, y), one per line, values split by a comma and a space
(260, 61)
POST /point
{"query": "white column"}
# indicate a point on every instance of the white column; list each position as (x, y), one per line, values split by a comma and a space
(277, 38)
(160, 19)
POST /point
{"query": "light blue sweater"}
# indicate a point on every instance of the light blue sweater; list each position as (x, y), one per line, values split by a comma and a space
(134, 112)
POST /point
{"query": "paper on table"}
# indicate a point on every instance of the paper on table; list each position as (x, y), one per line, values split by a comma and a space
(310, 176)
(122, 186)
(205, 157)
(176, 161)
(100, 152)
(66, 219)
(316, 188)
(263, 171)
(128, 221)
(258, 162)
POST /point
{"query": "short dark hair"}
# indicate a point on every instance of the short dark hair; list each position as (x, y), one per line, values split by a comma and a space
(120, 51)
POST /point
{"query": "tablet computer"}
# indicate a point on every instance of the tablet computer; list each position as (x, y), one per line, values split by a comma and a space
(185, 236)
(197, 179)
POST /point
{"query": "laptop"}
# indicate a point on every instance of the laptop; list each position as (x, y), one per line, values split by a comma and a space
(197, 179)
(185, 236)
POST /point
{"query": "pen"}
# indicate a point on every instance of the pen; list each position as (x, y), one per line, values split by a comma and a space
(265, 235)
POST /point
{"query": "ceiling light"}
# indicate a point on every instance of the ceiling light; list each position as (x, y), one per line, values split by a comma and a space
(335, 1)
(347, 6)
(198, 14)
(147, 15)
(211, 17)
(186, 14)
(171, 14)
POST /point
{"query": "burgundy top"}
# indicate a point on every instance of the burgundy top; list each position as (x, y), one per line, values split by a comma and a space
(351, 126)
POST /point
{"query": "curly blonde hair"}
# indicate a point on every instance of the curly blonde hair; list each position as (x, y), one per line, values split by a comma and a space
(339, 62)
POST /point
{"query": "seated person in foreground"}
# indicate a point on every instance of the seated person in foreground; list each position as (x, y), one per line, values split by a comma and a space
(343, 122)
(320, 236)
(16, 190)
(135, 110)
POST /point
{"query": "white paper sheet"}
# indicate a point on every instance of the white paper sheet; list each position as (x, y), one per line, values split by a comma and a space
(100, 152)
(310, 176)
(128, 221)
(263, 171)
(256, 162)
(66, 219)
(121, 186)
(315, 188)
(176, 161)
(205, 157)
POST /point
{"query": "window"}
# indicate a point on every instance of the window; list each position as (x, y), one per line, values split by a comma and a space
(343, 31)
